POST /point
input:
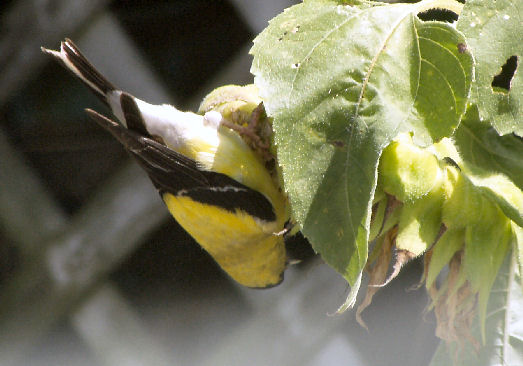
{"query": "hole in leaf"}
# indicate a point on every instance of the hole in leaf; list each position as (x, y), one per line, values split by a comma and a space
(442, 15)
(502, 81)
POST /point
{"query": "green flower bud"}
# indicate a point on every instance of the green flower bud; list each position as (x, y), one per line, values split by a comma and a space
(465, 204)
(407, 171)
(420, 222)
(234, 102)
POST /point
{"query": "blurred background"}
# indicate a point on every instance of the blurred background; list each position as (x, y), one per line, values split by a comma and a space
(93, 271)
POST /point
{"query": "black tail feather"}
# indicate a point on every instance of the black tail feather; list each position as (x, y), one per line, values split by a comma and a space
(117, 130)
(73, 60)
(86, 68)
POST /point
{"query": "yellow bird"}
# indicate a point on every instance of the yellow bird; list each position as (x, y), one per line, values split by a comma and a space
(213, 183)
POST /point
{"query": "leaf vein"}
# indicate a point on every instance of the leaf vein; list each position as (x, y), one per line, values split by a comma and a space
(449, 85)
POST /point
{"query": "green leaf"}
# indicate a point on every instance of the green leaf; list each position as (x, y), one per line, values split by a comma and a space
(486, 245)
(493, 32)
(504, 328)
(450, 242)
(502, 191)
(480, 145)
(376, 226)
(340, 82)
(492, 163)
(518, 247)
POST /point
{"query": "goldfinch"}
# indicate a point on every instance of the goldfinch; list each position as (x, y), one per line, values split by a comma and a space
(215, 186)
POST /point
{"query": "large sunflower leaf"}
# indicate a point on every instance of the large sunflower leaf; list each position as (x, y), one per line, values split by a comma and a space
(494, 35)
(340, 82)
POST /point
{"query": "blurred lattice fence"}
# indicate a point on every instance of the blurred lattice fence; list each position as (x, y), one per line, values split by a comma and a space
(79, 221)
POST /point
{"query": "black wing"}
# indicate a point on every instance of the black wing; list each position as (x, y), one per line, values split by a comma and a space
(177, 174)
